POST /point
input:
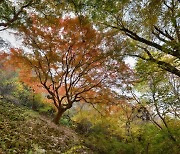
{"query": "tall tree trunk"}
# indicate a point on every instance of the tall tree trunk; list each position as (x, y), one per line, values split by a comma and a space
(58, 116)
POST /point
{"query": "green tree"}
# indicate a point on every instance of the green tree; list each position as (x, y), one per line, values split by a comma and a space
(12, 14)
(143, 29)
(159, 95)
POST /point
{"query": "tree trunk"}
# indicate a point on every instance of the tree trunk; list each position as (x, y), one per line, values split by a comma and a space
(58, 116)
(147, 148)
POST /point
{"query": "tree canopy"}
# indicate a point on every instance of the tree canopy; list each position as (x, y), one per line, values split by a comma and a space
(69, 62)
(73, 66)
(143, 29)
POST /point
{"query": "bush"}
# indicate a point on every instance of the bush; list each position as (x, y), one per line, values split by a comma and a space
(31, 100)
(84, 126)
(102, 141)
(46, 110)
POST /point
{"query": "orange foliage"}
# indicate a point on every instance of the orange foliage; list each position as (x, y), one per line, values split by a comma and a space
(68, 62)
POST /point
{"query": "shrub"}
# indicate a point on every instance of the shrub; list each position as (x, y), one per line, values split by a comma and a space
(84, 126)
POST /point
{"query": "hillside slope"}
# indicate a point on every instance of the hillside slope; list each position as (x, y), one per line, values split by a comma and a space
(25, 131)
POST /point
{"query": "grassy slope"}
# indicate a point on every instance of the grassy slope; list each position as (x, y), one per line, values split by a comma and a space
(24, 131)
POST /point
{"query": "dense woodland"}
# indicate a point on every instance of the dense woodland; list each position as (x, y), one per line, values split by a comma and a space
(90, 76)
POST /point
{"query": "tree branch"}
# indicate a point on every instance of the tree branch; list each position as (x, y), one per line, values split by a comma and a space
(15, 15)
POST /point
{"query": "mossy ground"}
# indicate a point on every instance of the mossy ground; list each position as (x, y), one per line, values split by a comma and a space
(25, 131)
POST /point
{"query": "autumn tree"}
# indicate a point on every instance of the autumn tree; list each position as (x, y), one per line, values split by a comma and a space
(67, 59)
(148, 30)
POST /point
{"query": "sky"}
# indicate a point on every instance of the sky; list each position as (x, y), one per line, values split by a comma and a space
(10, 37)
